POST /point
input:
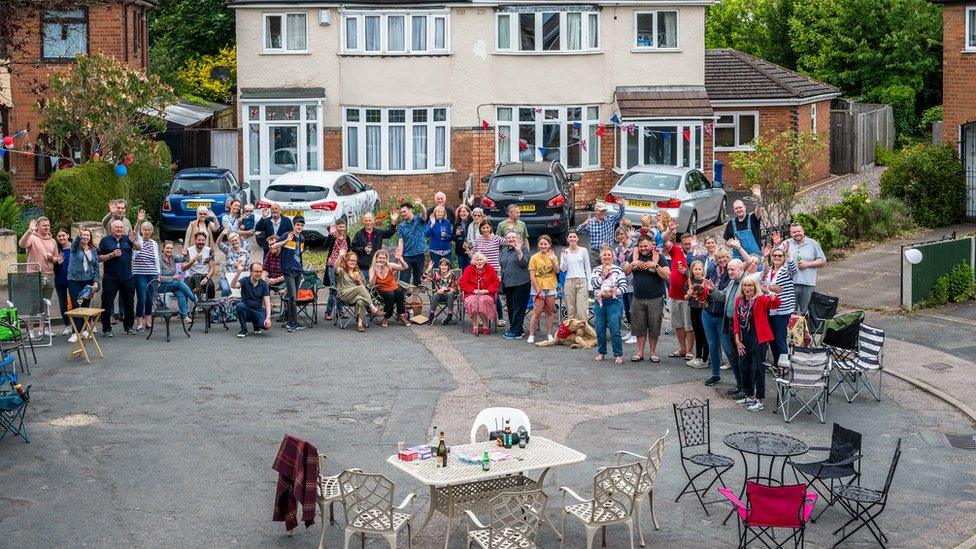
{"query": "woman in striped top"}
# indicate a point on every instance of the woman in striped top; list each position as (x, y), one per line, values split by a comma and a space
(779, 278)
(490, 246)
(609, 284)
(145, 269)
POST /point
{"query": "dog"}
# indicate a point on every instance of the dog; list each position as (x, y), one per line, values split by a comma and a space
(573, 332)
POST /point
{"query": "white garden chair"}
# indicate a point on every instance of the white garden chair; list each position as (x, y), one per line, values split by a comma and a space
(367, 501)
(614, 492)
(652, 464)
(515, 518)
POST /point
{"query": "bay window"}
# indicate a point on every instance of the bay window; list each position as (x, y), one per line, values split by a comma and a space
(285, 33)
(736, 130)
(656, 30)
(395, 139)
(547, 31)
(395, 32)
(660, 142)
(566, 134)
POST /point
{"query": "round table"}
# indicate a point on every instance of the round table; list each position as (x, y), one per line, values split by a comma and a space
(771, 446)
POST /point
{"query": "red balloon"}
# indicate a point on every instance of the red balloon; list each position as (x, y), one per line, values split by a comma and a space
(8, 141)
(96, 155)
(128, 159)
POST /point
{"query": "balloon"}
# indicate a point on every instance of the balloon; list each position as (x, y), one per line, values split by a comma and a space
(913, 255)
(3, 152)
(121, 170)
(96, 155)
(8, 141)
(128, 159)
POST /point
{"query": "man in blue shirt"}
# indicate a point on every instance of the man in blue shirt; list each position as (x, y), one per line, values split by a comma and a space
(292, 247)
(601, 228)
(115, 251)
(255, 303)
(413, 241)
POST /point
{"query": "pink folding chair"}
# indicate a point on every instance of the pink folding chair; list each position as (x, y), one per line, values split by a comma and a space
(769, 507)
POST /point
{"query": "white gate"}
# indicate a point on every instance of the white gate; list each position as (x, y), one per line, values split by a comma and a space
(223, 150)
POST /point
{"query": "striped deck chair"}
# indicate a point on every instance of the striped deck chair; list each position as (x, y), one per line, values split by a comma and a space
(865, 369)
(805, 384)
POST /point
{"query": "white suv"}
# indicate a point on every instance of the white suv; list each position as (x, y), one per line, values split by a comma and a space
(322, 198)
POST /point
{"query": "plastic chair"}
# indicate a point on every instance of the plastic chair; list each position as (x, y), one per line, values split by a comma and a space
(805, 384)
(614, 493)
(842, 462)
(515, 521)
(769, 507)
(693, 419)
(24, 294)
(493, 419)
(652, 464)
(367, 501)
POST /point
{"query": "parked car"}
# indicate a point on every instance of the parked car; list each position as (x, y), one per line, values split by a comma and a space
(685, 193)
(195, 187)
(543, 191)
(322, 198)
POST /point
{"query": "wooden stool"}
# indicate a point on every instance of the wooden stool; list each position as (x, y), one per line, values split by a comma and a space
(88, 316)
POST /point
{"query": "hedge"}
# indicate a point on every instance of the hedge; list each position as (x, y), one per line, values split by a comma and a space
(149, 183)
(930, 180)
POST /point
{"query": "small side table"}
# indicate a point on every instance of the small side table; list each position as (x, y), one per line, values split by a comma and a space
(88, 316)
(205, 305)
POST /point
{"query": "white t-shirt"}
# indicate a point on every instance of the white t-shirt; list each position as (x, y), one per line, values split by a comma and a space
(575, 265)
(199, 267)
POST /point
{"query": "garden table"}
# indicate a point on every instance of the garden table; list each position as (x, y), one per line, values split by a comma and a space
(764, 445)
(461, 486)
(88, 316)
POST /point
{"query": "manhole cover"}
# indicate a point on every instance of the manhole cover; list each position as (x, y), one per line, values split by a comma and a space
(938, 366)
(963, 442)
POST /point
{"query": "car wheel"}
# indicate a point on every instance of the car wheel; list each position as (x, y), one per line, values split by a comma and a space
(723, 212)
(693, 223)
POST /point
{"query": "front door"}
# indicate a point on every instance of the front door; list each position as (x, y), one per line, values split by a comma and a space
(968, 151)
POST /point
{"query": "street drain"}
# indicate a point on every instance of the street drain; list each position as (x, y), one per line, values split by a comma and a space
(938, 366)
(962, 442)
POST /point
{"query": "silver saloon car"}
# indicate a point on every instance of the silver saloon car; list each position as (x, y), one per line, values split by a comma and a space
(685, 193)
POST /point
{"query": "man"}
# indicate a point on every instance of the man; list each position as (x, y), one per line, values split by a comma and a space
(727, 298)
(513, 224)
(116, 211)
(337, 244)
(115, 251)
(649, 269)
(292, 247)
(255, 303)
(440, 199)
(272, 223)
(200, 267)
(369, 240)
(41, 249)
(680, 308)
(809, 256)
(745, 229)
(412, 247)
(272, 262)
(601, 228)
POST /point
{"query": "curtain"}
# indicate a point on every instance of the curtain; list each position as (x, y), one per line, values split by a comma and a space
(593, 145)
(667, 29)
(575, 31)
(312, 146)
(594, 31)
(420, 147)
(272, 33)
(372, 33)
(374, 148)
(394, 39)
(419, 33)
(505, 145)
(254, 149)
(296, 32)
(398, 148)
(440, 146)
(504, 32)
(440, 33)
(352, 147)
(352, 33)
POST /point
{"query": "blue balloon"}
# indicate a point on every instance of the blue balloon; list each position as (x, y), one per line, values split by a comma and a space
(121, 170)
(3, 151)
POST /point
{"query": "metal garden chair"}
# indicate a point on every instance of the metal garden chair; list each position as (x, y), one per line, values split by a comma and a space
(805, 384)
(161, 308)
(24, 294)
(493, 419)
(859, 372)
(652, 464)
(328, 493)
(770, 507)
(613, 501)
(843, 462)
(865, 505)
(367, 501)
(515, 520)
(693, 419)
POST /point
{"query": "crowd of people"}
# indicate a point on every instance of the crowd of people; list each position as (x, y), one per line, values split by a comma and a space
(729, 296)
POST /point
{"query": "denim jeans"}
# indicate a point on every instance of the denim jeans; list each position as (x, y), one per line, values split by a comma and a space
(463, 260)
(246, 314)
(62, 291)
(717, 341)
(143, 306)
(182, 293)
(608, 316)
(293, 281)
(415, 267)
(224, 286)
(778, 346)
(329, 280)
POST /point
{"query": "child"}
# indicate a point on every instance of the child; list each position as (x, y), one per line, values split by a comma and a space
(647, 226)
(248, 221)
(445, 288)
(697, 295)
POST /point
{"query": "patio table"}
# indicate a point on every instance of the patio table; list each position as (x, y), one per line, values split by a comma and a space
(461, 486)
(764, 445)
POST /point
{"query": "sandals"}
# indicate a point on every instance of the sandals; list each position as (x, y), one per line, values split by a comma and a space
(599, 358)
(676, 354)
(618, 360)
(689, 356)
(385, 323)
(404, 320)
(655, 358)
(636, 358)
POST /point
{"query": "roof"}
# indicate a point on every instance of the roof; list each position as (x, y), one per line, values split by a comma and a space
(524, 167)
(188, 114)
(663, 102)
(198, 172)
(322, 3)
(732, 75)
(282, 93)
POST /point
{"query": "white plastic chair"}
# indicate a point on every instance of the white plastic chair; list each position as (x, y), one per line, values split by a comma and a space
(493, 419)
(235, 293)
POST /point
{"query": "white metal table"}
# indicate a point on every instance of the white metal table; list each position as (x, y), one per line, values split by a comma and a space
(461, 486)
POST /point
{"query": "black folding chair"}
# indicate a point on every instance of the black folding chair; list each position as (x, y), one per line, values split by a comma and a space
(865, 505)
(693, 420)
(843, 462)
(821, 309)
(310, 281)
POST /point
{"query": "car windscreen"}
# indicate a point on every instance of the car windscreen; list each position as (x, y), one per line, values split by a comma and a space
(522, 184)
(296, 193)
(199, 185)
(651, 181)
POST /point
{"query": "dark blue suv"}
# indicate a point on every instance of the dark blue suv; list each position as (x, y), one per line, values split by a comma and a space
(195, 187)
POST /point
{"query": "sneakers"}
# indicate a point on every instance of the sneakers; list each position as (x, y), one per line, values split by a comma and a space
(130, 332)
(757, 406)
(531, 339)
(631, 339)
(745, 401)
(502, 323)
(32, 335)
(697, 363)
(447, 319)
(259, 331)
(66, 331)
(509, 335)
(85, 334)
(73, 338)
(712, 380)
(242, 334)
(47, 332)
(140, 328)
(108, 334)
(550, 337)
(725, 365)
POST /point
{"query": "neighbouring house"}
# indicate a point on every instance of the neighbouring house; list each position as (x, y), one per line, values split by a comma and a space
(4, 109)
(49, 43)
(398, 92)
(753, 97)
(958, 83)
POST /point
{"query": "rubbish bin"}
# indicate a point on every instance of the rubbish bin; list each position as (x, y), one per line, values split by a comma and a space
(719, 168)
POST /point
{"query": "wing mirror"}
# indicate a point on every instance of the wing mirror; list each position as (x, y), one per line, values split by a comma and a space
(485, 178)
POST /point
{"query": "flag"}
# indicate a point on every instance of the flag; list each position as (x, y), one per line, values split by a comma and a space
(708, 129)
(542, 151)
(485, 125)
(502, 136)
(20, 133)
(615, 119)
(578, 125)
(599, 130)
(54, 161)
(687, 135)
(582, 144)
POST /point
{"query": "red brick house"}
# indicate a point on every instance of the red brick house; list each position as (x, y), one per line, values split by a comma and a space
(753, 97)
(49, 43)
(958, 83)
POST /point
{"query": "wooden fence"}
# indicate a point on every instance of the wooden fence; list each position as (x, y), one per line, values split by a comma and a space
(855, 129)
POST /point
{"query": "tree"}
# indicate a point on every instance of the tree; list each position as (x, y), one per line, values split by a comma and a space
(757, 27)
(197, 78)
(181, 30)
(102, 104)
(777, 167)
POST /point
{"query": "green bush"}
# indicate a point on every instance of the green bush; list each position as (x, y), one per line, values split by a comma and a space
(953, 287)
(10, 213)
(82, 193)
(868, 218)
(929, 116)
(148, 183)
(828, 231)
(929, 179)
(6, 184)
(902, 101)
(883, 156)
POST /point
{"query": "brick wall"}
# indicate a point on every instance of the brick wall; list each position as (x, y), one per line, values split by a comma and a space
(958, 73)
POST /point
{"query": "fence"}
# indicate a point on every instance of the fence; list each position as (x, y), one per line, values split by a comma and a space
(938, 258)
(855, 130)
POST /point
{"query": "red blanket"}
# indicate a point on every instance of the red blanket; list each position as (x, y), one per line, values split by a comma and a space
(297, 464)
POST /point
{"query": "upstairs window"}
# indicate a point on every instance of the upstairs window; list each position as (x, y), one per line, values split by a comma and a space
(395, 33)
(656, 30)
(285, 33)
(971, 28)
(547, 32)
(64, 34)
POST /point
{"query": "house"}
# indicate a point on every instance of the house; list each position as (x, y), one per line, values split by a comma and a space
(49, 41)
(958, 82)
(753, 97)
(415, 96)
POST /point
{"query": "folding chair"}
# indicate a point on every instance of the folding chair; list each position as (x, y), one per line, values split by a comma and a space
(769, 507)
(24, 294)
(12, 338)
(161, 308)
(821, 309)
(842, 462)
(310, 281)
(13, 407)
(458, 308)
(693, 419)
(856, 373)
(865, 505)
(805, 383)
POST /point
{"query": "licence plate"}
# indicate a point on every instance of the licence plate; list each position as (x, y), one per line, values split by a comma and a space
(292, 213)
(194, 204)
(526, 207)
(640, 203)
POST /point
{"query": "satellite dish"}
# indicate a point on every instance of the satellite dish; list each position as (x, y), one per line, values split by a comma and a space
(913, 255)
(220, 73)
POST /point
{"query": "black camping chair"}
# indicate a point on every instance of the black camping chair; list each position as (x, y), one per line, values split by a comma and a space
(821, 309)
(866, 505)
(840, 335)
(693, 419)
(843, 462)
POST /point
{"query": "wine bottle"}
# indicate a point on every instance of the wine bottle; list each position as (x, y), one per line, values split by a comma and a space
(442, 452)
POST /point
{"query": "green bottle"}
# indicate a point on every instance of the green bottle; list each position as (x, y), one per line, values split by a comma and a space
(485, 462)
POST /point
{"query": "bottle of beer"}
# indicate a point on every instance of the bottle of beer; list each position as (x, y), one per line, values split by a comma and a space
(507, 435)
(441, 452)
(485, 462)
(523, 436)
(20, 391)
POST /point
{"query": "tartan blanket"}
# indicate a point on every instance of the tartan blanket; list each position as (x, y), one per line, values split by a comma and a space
(297, 464)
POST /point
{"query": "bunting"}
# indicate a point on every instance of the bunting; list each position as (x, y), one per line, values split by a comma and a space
(615, 119)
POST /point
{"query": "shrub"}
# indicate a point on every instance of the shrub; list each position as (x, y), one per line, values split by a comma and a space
(930, 180)
(149, 180)
(868, 218)
(902, 101)
(82, 193)
(198, 81)
(883, 156)
(6, 184)
(929, 116)
(953, 287)
(828, 231)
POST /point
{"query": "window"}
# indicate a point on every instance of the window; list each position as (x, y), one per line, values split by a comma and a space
(396, 139)
(547, 32)
(737, 130)
(285, 32)
(813, 117)
(280, 138)
(566, 134)
(971, 28)
(660, 142)
(65, 34)
(394, 33)
(656, 30)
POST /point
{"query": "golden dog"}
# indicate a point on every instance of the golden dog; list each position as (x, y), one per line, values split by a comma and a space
(578, 335)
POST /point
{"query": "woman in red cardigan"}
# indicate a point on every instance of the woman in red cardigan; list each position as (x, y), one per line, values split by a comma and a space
(752, 333)
(479, 286)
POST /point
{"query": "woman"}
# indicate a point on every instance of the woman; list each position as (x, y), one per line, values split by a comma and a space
(609, 284)
(337, 244)
(479, 287)
(752, 333)
(381, 275)
(575, 262)
(145, 269)
(171, 279)
(205, 222)
(440, 235)
(82, 274)
(697, 295)
(61, 276)
(231, 220)
(779, 278)
(543, 267)
(444, 288)
(352, 289)
(490, 245)
(234, 254)
(514, 261)
(713, 315)
(474, 229)
(461, 227)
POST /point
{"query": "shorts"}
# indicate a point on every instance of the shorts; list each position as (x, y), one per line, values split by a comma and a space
(47, 287)
(680, 314)
(646, 316)
(545, 302)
